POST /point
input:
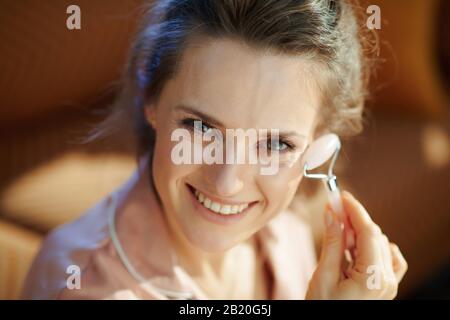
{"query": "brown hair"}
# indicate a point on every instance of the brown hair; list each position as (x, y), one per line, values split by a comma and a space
(326, 30)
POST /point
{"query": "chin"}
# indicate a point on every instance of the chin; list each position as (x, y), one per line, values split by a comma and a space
(206, 236)
(212, 243)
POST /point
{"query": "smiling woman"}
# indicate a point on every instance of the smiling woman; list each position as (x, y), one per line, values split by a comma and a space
(177, 230)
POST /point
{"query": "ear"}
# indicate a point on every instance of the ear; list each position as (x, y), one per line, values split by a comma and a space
(150, 115)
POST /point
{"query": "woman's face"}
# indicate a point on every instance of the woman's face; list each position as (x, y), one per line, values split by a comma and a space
(227, 85)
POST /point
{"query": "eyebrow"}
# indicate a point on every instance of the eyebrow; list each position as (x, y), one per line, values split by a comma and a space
(285, 134)
(212, 121)
(199, 114)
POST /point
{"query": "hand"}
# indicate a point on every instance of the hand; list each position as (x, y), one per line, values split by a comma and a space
(377, 267)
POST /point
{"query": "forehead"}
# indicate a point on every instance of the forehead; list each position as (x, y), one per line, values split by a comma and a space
(246, 88)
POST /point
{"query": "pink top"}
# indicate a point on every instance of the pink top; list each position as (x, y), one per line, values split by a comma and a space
(285, 242)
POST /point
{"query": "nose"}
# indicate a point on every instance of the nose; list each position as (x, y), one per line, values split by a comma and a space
(225, 179)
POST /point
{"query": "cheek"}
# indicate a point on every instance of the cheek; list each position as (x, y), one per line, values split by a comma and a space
(279, 189)
(162, 164)
(287, 176)
(166, 170)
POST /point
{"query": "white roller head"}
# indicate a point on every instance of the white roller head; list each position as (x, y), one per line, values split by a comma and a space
(321, 150)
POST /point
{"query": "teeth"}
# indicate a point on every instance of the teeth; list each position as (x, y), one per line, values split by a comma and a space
(207, 203)
(226, 209)
(243, 206)
(217, 207)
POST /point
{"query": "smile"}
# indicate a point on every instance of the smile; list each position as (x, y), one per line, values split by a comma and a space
(220, 207)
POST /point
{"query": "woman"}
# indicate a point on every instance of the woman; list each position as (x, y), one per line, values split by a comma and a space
(201, 230)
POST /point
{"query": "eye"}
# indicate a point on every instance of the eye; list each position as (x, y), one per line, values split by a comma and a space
(196, 124)
(278, 145)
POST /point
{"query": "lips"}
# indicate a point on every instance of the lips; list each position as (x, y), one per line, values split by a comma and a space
(220, 207)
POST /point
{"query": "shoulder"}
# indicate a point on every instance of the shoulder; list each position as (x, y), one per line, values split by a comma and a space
(65, 249)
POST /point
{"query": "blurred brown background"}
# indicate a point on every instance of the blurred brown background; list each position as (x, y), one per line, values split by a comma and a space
(54, 83)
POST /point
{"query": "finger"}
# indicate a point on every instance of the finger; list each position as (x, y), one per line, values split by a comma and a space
(349, 236)
(367, 234)
(400, 266)
(331, 257)
(356, 213)
(387, 260)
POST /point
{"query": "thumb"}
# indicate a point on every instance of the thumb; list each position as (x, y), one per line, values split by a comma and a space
(333, 246)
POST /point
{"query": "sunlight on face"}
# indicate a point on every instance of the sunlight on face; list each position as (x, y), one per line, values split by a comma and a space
(227, 85)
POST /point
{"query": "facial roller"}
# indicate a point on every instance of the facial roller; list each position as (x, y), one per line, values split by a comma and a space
(318, 153)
